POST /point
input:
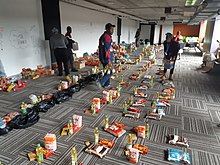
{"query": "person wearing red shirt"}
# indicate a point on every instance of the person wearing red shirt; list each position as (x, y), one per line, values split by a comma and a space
(106, 53)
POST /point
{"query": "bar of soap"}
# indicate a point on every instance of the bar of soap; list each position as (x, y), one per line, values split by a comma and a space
(87, 143)
(31, 156)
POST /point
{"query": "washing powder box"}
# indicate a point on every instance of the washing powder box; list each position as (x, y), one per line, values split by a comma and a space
(79, 64)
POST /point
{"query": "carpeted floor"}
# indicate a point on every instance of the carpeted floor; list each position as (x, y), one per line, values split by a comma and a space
(193, 114)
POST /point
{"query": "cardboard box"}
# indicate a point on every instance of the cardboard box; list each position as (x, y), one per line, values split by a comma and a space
(79, 64)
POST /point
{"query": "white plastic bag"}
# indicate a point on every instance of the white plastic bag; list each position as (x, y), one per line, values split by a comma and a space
(75, 46)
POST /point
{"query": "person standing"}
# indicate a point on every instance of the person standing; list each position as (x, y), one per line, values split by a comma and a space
(106, 54)
(70, 48)
(58, 44)
(137, 37)
(179, 39)
(171, 48)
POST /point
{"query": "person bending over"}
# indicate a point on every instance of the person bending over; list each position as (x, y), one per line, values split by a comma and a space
(58, 44)
(171, 49)
(106, 53)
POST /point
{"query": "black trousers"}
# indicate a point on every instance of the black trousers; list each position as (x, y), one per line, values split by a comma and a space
(171, 70)
(70, 56)
(61, 55)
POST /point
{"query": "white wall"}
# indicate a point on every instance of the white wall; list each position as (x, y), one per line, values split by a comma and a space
(21, 35)
(156, 34)
(208, 36)
(216, 35)
(87, 25)
(128, 30)
(145, 32)
(166, 29)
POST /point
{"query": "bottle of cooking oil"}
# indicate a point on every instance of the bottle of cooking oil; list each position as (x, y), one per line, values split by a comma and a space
(129, 142)
(153, 106)
(39, 153)
(157, 95)
(125, 107)
(74, 156)
(147, 130)
(118, 92)
(93, 108)
(131, 100)
(110, 98)
(70, 127)
(106, 125)
(135, 90)
(96, 135)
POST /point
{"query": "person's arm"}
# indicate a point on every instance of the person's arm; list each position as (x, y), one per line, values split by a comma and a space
(107, 43)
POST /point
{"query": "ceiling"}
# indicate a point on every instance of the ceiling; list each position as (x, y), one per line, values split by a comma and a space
(188, 11)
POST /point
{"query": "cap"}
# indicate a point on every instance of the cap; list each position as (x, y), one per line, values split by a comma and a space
(169, 35)
(109, 25)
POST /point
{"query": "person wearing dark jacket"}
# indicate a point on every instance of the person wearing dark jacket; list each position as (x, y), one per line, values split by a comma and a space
(58, 44)
(106, 53)
(137, 37)
(70, 47)
(171, 48)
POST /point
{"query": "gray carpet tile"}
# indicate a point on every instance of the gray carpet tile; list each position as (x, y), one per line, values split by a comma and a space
(193, 114)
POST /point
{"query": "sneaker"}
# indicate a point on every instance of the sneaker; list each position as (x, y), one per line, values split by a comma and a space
(99, 84)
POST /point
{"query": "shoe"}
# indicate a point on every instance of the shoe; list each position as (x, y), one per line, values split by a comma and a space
(60, 75)
(99, 84)
(74, 70)
(107, 87)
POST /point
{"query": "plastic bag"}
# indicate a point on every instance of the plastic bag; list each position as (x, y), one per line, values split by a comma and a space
(82, 83)
(26, 120)
(5, 130)
(62, 96)
(168, 64)
(44, 105)
(74, 88)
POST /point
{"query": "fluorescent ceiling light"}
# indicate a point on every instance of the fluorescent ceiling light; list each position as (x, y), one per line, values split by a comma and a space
(110, 3)
(190, 2)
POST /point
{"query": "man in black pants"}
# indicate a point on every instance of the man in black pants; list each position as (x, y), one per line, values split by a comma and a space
(171, 49)
(70, 47)
(58, 44)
